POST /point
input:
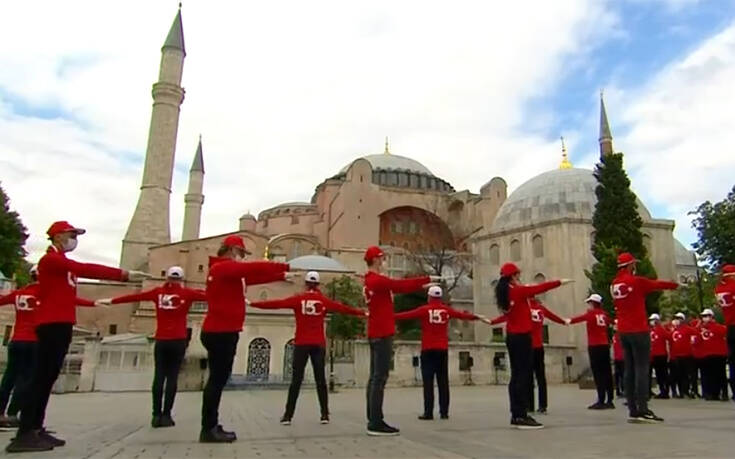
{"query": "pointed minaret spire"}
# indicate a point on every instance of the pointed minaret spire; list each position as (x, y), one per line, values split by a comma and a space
(387, 150)
(194, 198)
(605, 139)
(175, 38)
(565, 164)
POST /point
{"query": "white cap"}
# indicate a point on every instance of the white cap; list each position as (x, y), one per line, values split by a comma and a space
(34, 270)
(175, 272)
(654, 316)
(594, 297)
(707, 312)
(312, 277)
(435, 291)
(680, 315)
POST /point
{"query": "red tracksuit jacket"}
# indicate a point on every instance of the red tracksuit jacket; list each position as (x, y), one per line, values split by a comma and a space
(378, 292)
(226, 286)
(725, 293)
(173, 302)
(57, 292)
(659, 337)
(712, 339)
(521, 296)
(434, 318)
(310, 308)
(629, 297)
(618, 354)
(681, 341)
(539, 313)
(597, 322)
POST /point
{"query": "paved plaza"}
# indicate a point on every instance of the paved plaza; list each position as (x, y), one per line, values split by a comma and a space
(106, 425)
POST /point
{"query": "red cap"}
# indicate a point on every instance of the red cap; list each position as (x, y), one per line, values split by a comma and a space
(625, 258)
(728, 270)
(63, 227)
(509, 269)
(372, 253)
(235, 241)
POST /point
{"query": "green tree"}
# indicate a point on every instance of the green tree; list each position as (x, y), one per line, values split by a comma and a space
(409, 329)
(13, 236)
(617, 226)
(347, 291)
(692, 298)
(715, 226)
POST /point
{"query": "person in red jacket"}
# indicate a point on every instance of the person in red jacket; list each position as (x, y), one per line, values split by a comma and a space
(698, 372)
(434, 318)
(229, 275)
(659, 356)
(725, 293)
(681, 356)
(514, 299)
(21, 349)
(619, 362)
(539, 313)
(173, 302)
(310, 309)
(629, 297)
(598, 348)
(55, 316)
(713, 337)
(378, 292)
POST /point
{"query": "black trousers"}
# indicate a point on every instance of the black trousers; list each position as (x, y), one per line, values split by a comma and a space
(681, 370)
(302, 353)
(221, 349)
(168, 355)
(697, 376)
(637, 349)
(601, 372)
(381, 350)
(53, 344)
(521, 362)
(660, 365)
(731, 356)
(620, 377)
(538, 366)
(435, 364)
(18, 375)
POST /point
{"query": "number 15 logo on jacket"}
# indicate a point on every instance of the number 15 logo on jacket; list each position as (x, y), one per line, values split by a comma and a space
(437, 316)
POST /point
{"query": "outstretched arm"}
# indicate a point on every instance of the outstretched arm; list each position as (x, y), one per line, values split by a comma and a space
(461, 315)
(410, 314)
(549, 314)
(399, 285)
(147, 295)
(84, 303)
(334, 306)
(291, 302)
(526, 291)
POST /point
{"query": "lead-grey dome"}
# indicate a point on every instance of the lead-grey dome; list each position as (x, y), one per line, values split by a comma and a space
(317, 263)
(562, 193)
(392, 162)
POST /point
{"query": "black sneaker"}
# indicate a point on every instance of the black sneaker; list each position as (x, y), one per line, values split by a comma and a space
(444, 416)
(54, 441)
(214, 435)
(527, 423)
(167, 421)
(662, 397)
(382, 430)
(324, 419)
(286, 420)
(543, 411)
(156, 421)
(609, 406)
(596, 406)
(232, 435)
(426, 417)
(650, 417)
(27, 443)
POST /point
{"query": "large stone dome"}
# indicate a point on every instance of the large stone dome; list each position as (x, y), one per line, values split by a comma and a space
(562, 193)
(392, 162)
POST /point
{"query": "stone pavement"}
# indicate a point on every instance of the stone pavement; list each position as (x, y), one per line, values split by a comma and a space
(104, 425)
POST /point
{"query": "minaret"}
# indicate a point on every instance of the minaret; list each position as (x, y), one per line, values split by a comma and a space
(387, 150)
(150, 223)
(606, 147)
(194, 198)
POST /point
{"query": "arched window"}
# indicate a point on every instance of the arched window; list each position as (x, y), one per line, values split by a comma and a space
(259, 359)
(538, 246)
(495, 254)
(538, 278)
(288, 361)
(515, 250)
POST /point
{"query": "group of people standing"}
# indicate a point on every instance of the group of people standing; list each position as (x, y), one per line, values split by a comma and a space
(45, 314)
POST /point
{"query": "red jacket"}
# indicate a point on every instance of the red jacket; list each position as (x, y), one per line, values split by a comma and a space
(435, 322)
(629, 297)
(725, 293)
(597, 325)
(173, 302)
(378, 292)
(521, 297)
(310, 308)
(226, 286)
(57, 278)
(539, 313)
(713, 339)
(618, 354)
(659, 337)
(681, 341)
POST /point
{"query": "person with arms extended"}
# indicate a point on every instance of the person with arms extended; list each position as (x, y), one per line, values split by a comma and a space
(514, 300)
(629, 297)
(173, 302)
(310, 309)
(725, 293)
(55, 316)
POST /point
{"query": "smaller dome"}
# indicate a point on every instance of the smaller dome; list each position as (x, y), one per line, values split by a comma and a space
(392, 162)
(317, 263)
(247, 217)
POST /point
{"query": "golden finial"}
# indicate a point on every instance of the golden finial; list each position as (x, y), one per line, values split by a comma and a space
(565, 164)
(265, 253)
(387, 150)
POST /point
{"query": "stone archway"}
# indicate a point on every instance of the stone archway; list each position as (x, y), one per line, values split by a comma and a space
(415, 230)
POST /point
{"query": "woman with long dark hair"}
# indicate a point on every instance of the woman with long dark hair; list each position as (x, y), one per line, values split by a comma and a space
(513, 299)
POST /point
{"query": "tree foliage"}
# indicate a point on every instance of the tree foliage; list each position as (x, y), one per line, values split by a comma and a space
(692, 298)
(13, 236)
(409, 329)
(715, 226)
(347, 291)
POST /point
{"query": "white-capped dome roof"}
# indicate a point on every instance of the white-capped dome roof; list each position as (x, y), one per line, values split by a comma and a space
(561, 193)
(392, 162)
(317, 263)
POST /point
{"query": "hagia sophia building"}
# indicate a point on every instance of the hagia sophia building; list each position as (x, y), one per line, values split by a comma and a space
(544, 226)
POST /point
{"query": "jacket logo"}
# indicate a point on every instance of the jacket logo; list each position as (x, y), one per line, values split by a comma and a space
(169, 301)
(620, 291)
(438, 316)
(654, 336)
(536, 315)
(311, 307)
(25, 302)
(677, 336)
(600, 318)
(725, 299)
(707, 335)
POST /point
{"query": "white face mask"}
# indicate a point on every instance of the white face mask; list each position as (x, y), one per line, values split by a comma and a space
(70, 245)
(652, 323)
(676, 322)
(707, 319)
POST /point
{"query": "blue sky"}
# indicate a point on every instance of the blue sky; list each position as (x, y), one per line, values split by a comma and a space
(285, 93)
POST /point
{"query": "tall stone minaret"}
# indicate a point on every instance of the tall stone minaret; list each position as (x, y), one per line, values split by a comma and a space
(150, 223)
(606, 146)
(194, 197)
